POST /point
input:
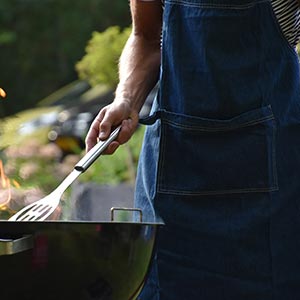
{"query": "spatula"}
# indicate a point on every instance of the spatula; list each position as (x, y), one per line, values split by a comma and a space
(42, 209)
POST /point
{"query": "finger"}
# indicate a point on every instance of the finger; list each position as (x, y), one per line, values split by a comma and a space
(105, 128)
(127, 130)
(91, 138)
(93, 132)
(113, 146)
(111, 119)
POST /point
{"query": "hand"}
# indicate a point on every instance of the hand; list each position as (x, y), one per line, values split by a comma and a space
(118, 112)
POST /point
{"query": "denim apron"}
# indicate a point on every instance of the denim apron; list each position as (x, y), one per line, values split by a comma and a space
(220, 162)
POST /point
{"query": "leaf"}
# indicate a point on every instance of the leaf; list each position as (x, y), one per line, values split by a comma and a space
(100, 64)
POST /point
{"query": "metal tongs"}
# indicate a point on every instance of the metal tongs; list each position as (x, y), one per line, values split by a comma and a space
(42, 209)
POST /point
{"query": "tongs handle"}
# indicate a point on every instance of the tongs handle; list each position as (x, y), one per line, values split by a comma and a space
(96, 151)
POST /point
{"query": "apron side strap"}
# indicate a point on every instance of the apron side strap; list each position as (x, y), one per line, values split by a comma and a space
(151, 119)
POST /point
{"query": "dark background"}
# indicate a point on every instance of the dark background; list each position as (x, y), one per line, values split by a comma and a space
(41, 41)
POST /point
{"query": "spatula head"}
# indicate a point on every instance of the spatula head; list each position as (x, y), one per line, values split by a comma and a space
(37, 211)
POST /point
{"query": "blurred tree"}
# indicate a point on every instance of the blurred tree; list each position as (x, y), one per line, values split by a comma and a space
(41, 40)
(100, 64)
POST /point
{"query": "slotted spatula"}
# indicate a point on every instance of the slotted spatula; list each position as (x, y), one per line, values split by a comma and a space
(42, 209)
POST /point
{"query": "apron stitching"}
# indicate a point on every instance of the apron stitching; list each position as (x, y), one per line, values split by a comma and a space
(216, 192)
(271, 257)
(229, 128)
(274, 159)
(161, 157)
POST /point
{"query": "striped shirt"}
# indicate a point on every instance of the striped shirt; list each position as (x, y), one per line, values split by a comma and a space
(288, 16)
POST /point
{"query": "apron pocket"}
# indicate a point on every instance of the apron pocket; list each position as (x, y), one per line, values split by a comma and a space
(201, 156)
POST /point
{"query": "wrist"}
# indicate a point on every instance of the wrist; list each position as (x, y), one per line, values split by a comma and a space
(133, 102)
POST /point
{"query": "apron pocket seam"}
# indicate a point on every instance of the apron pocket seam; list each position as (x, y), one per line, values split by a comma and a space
(237, 157)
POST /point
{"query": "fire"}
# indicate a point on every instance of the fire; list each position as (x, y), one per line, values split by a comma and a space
(5, 183)
(2, 93)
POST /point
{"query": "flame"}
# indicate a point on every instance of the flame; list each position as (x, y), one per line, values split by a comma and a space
(5, 183)
(2, 93)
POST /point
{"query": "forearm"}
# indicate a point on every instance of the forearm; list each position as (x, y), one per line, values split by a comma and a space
(138, 73)
(138, 69)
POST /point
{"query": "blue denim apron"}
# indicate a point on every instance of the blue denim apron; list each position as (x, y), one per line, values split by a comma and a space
(220, 161)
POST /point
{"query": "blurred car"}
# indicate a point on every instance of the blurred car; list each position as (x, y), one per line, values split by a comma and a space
(58, 100)
(73, 123)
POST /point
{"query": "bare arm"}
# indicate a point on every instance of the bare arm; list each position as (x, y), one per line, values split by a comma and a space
(140, 60)
(138, 73)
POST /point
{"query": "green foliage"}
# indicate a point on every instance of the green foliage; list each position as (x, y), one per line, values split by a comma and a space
(7, 37)
(100, 64)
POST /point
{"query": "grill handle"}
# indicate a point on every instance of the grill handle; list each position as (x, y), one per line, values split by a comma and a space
(113, 209)
(13, 246)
